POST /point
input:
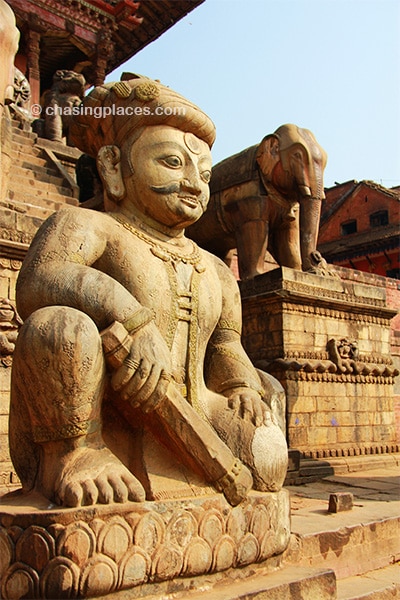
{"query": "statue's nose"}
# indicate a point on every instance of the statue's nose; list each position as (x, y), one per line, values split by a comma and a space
(191, 184)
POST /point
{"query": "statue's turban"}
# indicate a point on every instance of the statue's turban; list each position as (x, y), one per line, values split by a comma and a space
(115, 112)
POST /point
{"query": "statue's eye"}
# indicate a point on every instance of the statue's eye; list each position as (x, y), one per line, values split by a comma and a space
(206, 176)
(172, 161)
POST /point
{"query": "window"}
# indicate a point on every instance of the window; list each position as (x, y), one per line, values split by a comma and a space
(348, 227)
(393, 273)
(379, 218)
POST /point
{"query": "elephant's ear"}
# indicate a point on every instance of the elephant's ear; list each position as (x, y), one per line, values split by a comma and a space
(268, 156)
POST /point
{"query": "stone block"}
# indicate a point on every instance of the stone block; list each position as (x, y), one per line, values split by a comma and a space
(340, 501)
(4, 402)
(3, 424)
(298, 420)
(365, 418)
(322, 437)
(298, 437)
(304, 404)
(351, 434)
(383, 433)
(4, 287)
(5, 379)
(4, 449)
(332, 419)
(8, 219)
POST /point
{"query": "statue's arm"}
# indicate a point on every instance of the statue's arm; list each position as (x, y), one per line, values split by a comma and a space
(228, 368)
(58, 270)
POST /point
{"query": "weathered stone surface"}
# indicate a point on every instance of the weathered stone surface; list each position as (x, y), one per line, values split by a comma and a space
(331, 352)
(9, 36)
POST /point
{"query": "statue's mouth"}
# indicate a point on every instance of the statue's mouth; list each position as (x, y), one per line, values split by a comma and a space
(191, 201)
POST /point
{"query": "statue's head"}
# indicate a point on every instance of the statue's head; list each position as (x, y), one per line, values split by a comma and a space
(152, 148)
(291, 159)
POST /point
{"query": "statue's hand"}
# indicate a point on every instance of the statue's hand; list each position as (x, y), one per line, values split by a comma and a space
(144, 375)
(249, 405)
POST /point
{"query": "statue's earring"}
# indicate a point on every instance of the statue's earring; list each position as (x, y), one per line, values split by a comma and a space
(109, 167)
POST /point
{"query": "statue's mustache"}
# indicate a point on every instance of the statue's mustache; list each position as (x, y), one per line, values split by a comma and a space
(166, 189)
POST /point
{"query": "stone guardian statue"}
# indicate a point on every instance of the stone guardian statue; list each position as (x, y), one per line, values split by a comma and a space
(131, 335)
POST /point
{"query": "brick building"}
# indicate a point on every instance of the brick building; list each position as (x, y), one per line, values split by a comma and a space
(360, 228)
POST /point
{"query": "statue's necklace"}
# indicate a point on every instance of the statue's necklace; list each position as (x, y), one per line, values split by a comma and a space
(186, 299)
(161, 250)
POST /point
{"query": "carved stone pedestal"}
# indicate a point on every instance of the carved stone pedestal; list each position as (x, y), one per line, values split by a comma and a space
(328, 342)
(94, 551)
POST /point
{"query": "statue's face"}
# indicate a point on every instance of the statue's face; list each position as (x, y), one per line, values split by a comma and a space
(169, 175)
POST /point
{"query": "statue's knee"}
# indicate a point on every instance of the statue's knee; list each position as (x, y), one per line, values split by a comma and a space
(59, 330)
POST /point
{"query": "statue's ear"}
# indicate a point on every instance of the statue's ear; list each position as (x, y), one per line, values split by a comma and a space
(268, 155)
(109, 168)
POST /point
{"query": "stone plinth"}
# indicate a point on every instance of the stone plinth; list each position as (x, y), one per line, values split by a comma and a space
(328, 342)
(94, 551)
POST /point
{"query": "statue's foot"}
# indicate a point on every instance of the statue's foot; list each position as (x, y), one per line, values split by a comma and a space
(88, 476)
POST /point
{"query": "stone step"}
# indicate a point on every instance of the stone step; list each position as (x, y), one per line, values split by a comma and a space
(22, 144)
(381, 584)
(44, 206)
(40, 170)
(351, 550)
(29, 185)
(351, 543)
(44, 175)
(29, 159)
(20, 136)
(284, 584)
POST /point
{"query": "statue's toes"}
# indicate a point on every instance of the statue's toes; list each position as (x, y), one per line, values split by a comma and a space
(136, 491)
(90, 492)
(70, 494)
(106, 492)
(120, 488)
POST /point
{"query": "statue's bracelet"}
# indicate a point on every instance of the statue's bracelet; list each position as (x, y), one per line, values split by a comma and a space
(231, 384)
(229, 477)
(139, 319)
(116, 338)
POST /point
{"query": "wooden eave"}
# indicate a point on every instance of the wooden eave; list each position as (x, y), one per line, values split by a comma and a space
(70, 30)
(373, 241)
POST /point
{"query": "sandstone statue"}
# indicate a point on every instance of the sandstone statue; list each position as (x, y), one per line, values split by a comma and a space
(9, 37)
(131, 334)
(19, 106)
(65, 94)
(267, 197)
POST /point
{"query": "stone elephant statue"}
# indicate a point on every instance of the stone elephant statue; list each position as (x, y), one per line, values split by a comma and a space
(267, 197)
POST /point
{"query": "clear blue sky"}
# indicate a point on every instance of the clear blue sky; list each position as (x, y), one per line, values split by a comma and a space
(332, 66)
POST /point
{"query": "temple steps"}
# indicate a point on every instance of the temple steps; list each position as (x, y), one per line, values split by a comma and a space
(39, 174)
(380, 584)
(35, 179)
(27, 187)
(48, 204)
(361, 545)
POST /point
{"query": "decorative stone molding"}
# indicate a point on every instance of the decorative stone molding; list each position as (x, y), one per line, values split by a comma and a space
(96, 551)
(10, 323)
(353, 451)
(321, 311)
